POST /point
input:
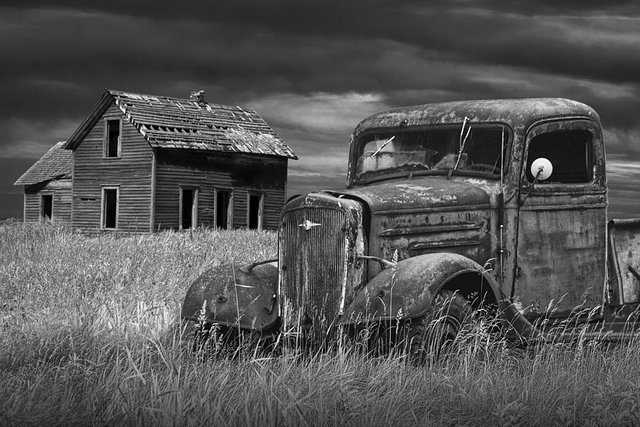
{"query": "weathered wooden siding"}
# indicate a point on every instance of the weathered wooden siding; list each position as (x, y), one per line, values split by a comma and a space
(62, 200)
(32, 203)
(131, 172)
(61, 191)
(207, 172)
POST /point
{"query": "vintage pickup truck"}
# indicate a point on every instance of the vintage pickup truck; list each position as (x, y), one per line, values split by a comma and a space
(494, 202)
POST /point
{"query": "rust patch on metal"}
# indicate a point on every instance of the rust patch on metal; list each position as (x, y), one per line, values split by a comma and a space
(235, 296)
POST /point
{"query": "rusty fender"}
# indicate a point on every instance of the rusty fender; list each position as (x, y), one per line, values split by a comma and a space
(406, 291)
(235, 296)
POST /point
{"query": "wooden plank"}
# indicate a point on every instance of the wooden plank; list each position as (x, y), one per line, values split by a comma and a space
(61, 190)
(31, 206)
(131, 172)
(152, 207)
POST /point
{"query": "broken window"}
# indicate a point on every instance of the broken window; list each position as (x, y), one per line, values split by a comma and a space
(112, 139)
(188, 207)
(109, 208)
(224, 209)
(470, 149)
(255, 211)
(569, 152)
(46, 206)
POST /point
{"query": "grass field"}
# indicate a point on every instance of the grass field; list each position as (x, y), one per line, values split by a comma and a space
(90, 334)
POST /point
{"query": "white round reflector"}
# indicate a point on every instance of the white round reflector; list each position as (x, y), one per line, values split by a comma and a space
(541, 168)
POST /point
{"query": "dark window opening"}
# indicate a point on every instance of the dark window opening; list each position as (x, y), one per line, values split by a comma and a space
(223, 200)
(110, 207)
(46, 206)
(569, 152)
(255, 211)
(113, 138)
(188, 208)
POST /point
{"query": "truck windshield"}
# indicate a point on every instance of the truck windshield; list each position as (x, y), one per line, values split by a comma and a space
(474, 149)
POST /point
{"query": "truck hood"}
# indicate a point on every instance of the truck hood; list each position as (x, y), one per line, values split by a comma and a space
(431, 192)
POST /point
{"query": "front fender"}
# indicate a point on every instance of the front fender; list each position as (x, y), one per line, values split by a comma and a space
(406, 291)
(233, 296)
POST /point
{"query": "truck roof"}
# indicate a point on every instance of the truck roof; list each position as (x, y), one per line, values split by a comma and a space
(514, 112)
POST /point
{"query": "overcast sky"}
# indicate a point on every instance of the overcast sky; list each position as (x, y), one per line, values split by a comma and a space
(313, 69)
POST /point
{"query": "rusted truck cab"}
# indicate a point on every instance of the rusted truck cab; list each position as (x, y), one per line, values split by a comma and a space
(544, 240)
(500, 201)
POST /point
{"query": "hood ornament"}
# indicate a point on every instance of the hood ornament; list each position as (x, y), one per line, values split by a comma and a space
(308, 225)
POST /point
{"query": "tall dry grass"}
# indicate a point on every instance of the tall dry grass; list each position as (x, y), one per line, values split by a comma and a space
(90, 334)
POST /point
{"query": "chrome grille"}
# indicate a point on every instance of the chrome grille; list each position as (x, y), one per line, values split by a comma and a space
(313, 247)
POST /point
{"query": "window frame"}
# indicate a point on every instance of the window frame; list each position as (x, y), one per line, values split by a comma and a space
(105, 142)
(564, 124)
(194, 206)
(41, 206)
(230, 207)
(261, 195)
(383, 175)
(103, 206)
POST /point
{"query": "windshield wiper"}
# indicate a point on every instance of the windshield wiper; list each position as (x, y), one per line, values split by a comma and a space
(384, 144)
(463, 140)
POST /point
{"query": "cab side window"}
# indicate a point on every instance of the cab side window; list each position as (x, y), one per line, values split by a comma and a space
(569, 151)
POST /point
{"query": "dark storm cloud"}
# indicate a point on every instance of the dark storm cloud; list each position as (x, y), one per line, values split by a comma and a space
(301, 46)
(49, 57)
(544, 42)
(573, 7)
(71, 50)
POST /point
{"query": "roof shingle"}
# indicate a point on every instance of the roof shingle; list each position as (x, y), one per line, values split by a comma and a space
(54, 164)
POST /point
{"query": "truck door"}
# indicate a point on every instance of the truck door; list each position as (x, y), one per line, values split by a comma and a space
(561, 245)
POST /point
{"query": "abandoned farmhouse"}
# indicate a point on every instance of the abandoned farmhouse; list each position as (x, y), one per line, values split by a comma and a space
(145, 163)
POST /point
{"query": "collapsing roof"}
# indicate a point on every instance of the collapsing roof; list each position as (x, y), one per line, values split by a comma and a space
(56, 163)
(193, 123)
